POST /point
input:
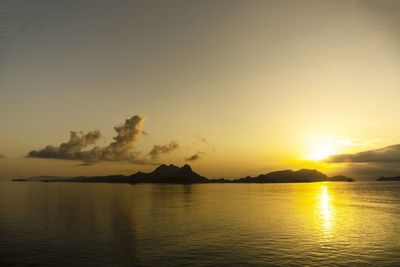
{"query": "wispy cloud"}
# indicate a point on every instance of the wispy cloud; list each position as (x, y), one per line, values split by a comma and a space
(195, 156)
(200, 139)
(158, 150)
(85, 164)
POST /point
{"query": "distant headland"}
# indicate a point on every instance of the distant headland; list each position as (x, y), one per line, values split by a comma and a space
(185, 175)
(387, 179)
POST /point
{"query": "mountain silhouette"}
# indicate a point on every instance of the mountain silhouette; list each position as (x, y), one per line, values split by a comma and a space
(168, 174)
(289, 176)
(185, 175)
(384, 179)
(340, 178)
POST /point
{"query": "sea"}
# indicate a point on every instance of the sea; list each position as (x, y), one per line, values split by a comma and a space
(101, 224)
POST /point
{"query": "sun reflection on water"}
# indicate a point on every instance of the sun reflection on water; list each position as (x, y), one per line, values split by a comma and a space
(326, 208)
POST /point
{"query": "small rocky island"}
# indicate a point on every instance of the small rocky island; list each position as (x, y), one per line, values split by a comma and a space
(388, 179)
(185, 175)
(289, 176)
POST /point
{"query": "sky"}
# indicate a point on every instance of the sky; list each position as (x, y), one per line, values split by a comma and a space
(233, 88)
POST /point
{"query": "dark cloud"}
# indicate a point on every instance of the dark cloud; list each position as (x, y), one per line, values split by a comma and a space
(383, 155)
(163, 149)
(121, 149)
(70, 150)
(85, 164)
(2, 156)
(369, 164)
(368, 171)
(127, 135)
(195, 157)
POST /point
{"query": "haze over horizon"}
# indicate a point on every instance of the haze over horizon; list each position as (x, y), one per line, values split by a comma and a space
(233, 88)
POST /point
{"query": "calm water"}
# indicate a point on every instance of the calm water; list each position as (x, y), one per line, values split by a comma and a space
(318, 224)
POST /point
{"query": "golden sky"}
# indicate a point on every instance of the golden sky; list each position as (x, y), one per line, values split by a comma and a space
(243, 87)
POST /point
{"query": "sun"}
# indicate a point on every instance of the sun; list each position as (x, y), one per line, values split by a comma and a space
(322, 151)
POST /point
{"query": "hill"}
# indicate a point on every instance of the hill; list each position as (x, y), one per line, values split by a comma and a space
(185, 175)
(387, 179)
(289, 176)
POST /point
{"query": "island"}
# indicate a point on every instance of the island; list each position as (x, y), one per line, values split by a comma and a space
(185, 175)
(289, 176)
(389, 179)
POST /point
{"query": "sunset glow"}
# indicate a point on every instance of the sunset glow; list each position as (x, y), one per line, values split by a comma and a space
(321, 151)
(279, 85)
(199, 133)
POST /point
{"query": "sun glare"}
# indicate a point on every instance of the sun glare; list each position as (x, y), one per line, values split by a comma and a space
(322, 151)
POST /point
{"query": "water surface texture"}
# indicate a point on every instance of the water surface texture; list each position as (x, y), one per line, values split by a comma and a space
(311, 224)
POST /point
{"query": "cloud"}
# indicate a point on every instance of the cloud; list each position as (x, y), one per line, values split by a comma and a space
(121, 149)
(70, 150)
(2, 156)
(370, 163)
(358, 142)
(127, 135)
(382, 155)
(201, 139)
(202, 143)
(157, 150)
(85, 164)
(195, 157)
(367, 171)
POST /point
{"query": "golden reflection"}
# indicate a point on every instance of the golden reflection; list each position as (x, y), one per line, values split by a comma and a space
(326, 208)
